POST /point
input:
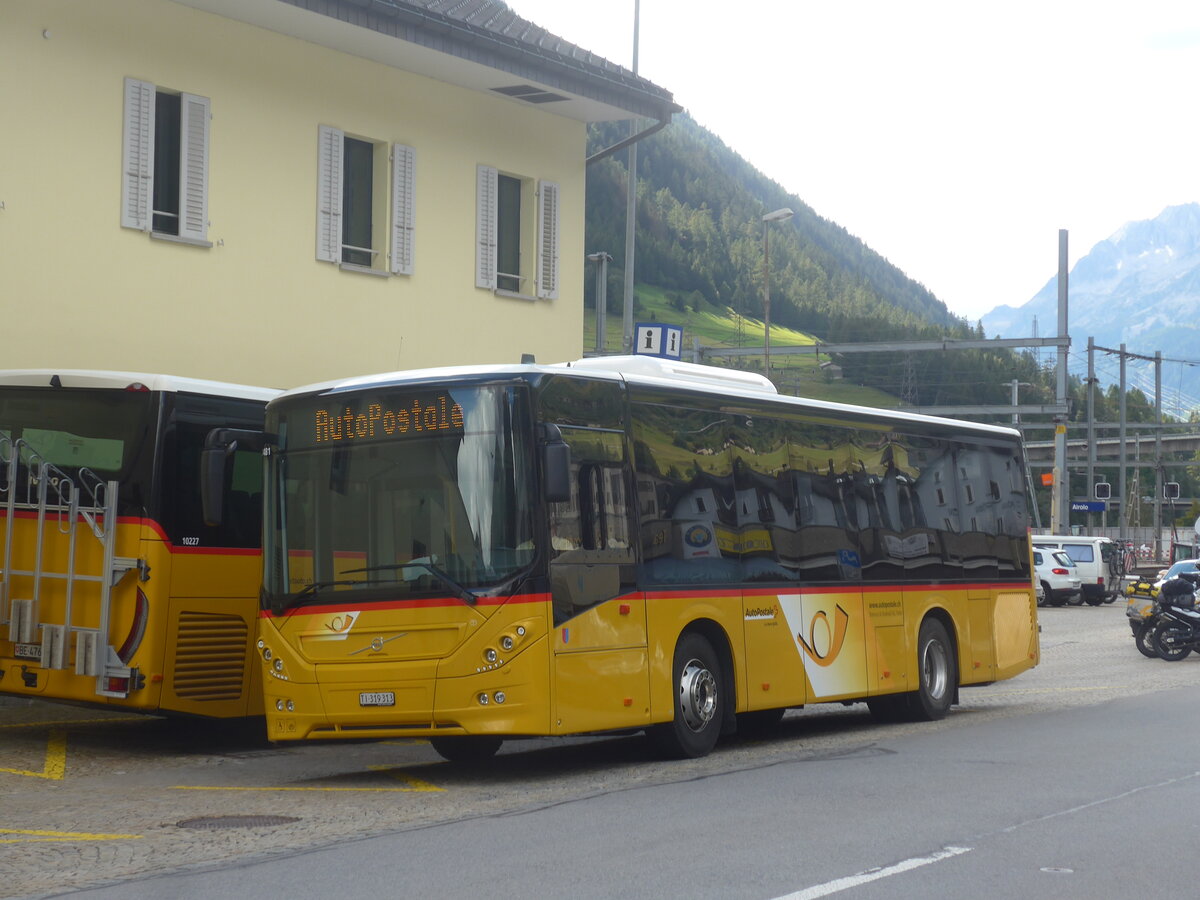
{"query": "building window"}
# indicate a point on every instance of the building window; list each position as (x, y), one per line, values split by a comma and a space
(507, 224)
(508, 234)
(164, 185)
(356, 180)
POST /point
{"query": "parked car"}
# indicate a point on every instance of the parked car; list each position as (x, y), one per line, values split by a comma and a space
(1058, 577)
(1183, 565)
(1093, 558)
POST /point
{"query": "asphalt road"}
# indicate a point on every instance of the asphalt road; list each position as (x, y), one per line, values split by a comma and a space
(1032, 787)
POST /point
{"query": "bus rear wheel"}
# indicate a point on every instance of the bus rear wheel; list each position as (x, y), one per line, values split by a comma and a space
(937, 671)
(471, 748)
(699, 700)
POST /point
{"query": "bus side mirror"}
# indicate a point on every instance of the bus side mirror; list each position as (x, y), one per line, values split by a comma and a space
(556, 465)
(219, 447)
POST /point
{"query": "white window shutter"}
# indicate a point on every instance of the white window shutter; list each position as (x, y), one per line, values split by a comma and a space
(193, 167)
(547, 288)
(486, 189)
(329, 194)
(403, 178)
(137, 158)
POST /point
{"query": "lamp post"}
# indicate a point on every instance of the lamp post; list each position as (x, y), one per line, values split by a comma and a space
(779, 215)
(603, 259)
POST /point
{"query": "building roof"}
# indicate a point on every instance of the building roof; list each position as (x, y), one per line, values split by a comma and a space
(479, 44)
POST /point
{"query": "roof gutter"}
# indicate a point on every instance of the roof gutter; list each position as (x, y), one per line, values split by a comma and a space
(632, 139)
(629, 84)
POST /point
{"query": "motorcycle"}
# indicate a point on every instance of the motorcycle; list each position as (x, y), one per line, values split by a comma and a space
(1141, 609)
(1176, 632)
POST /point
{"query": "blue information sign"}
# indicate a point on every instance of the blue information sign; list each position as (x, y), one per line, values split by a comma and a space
(654, 339)
(1088, 506)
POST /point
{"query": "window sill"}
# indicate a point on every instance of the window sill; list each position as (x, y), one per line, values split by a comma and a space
(176, 239)
(513, 295)
(364, 270)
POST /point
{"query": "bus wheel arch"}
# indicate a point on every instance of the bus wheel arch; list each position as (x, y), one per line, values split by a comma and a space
(702, 692)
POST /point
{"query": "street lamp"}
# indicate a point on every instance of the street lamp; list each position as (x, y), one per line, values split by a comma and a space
(779, 215)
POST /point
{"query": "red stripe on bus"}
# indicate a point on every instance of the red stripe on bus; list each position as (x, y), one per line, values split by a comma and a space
(154, 526)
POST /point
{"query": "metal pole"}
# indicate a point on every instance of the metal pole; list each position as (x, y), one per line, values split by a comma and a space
(766, 300)
(1016, 416)
(1124, 532)
(631, 209)
(1060, 493)
(602, 259)
(1158, 470)
(1091, 429)
(780, 215)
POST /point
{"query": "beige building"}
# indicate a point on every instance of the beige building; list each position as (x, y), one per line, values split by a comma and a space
(279, 192)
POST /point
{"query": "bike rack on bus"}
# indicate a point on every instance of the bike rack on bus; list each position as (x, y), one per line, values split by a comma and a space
(89, 505)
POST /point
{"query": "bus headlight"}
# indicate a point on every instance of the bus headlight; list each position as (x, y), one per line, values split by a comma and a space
(490, 655)
(506, 643)
(278, 664)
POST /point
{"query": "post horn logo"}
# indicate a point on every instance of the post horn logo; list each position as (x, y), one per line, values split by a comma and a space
(836, 636)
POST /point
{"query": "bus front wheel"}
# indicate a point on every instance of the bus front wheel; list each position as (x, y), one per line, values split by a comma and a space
(466, 748)
(698, 702)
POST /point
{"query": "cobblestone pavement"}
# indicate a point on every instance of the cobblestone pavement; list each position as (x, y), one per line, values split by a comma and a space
(90, 798)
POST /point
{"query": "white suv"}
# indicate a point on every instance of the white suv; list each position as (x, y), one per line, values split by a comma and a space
(1058, 577)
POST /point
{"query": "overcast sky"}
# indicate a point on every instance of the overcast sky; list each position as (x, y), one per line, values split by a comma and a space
(954, 138)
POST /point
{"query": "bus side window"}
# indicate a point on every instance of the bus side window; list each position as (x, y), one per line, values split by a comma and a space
(686, 498)
(182, 516)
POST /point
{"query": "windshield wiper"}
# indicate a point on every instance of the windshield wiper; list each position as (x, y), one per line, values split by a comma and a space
(309, 591)
(457, 589)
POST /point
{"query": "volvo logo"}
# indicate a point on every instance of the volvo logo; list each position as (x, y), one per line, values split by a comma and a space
(377, 644)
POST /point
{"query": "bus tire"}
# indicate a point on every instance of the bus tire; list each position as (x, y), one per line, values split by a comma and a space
(698, 701)
(937, 669)
(759, 723)
(889, 708)
(467, 749)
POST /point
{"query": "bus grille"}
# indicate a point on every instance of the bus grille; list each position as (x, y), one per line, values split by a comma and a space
(210, 658)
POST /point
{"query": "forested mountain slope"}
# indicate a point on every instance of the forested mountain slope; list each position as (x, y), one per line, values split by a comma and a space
(700, 238)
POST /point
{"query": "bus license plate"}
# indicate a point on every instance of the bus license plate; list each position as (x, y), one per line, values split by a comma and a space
(377, 698)
(28, 651)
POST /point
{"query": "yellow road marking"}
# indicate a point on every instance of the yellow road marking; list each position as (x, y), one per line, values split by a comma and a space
(415, 784)
(27, 836)
(55, 765)
(72, 722)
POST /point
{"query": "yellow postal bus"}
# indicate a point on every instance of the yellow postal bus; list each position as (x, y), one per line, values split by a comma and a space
(625, 543)
(113, 590)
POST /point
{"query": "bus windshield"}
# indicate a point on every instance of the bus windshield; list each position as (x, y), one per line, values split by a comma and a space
(398, 493)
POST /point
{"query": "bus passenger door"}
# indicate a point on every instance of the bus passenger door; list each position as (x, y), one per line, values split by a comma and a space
(211, 599)
(601, 678)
